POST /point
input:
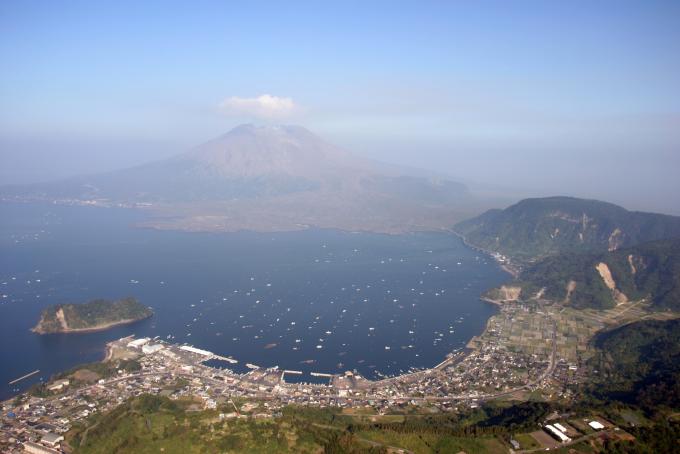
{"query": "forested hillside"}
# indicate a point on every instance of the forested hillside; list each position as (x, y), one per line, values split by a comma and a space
(602, 280)
(536, 228)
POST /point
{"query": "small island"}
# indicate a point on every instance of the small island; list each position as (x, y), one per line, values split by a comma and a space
(95, 315)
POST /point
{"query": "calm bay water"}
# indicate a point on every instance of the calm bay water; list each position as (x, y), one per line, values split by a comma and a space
(317, 300)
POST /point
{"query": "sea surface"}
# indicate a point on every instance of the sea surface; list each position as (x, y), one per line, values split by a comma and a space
(314, 300)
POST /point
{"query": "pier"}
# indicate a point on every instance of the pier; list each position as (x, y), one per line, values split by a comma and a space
(319, 374)
(224, 358)
(24, 377)
(293, 372)
(442, 364)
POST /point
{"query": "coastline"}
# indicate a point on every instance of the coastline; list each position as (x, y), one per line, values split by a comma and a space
(491, 301)
(92, 329)
(460, 355)
(512, 270)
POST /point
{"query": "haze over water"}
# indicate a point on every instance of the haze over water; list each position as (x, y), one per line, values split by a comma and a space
(315, 300)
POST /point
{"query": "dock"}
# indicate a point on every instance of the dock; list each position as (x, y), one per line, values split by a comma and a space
(292, 372)
(443, 363)
(225, 358)
(319, 374)
(24, 377)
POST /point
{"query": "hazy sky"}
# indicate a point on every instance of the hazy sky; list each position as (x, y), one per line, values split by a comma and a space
(546, 97)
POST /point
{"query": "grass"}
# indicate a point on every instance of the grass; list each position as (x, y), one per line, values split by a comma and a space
(634, 417)
(429, 443)
(526, 441)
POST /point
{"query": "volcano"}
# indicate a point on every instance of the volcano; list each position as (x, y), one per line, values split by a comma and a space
(266, 178)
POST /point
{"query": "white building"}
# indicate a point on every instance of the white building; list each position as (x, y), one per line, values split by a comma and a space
(151, 348)
(59, 385)
(560, 427)
(52, 439)
(35, 448)
(556, 433)
(596, 425)
(137, 343)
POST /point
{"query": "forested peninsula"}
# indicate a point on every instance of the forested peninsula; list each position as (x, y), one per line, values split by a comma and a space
(95, 315)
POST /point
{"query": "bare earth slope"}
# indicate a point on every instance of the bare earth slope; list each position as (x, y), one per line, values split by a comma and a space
(606, 279)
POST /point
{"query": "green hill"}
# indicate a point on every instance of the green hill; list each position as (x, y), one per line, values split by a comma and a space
(91, 316)
(152, 424)
(149, 424)
(650, 270)
(640, 364)
(535, 228)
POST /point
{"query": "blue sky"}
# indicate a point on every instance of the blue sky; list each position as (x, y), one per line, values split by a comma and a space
(454, 86)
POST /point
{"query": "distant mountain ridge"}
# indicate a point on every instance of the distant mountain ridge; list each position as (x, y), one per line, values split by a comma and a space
(267, 178)
(536, 228)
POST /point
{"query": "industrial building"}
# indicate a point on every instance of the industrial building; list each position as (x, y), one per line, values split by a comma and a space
(560, 427)
(596, 425)
(59, 385)
(556, 433)
(35, 448)
(52, 439)
(151, 348)
(137, 343)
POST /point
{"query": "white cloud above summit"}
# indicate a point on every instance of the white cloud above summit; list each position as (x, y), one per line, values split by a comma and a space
(263, 106)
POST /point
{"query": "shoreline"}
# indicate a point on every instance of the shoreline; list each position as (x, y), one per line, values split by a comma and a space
(93, 329)
(498, 303)
(512, 270)
(460, 355)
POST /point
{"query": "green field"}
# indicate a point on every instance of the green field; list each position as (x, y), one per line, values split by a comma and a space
(431, 443)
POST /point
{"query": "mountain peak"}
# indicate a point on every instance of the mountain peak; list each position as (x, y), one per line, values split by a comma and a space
(253, 129)
(270, 178)
(250, 150)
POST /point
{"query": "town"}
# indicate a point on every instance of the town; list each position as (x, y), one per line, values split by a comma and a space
(526, 349)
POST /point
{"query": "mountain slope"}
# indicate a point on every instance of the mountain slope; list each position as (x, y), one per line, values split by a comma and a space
(535, 228)
(267, 178)
(640, 364)
(649, 270)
